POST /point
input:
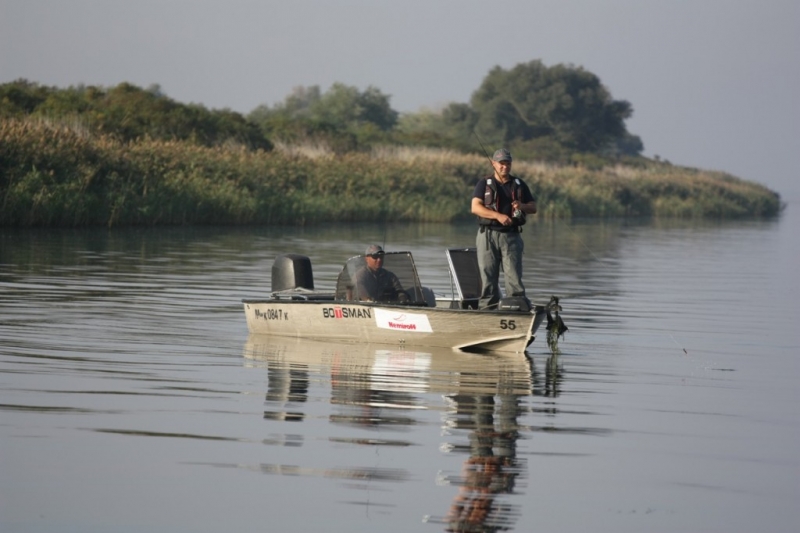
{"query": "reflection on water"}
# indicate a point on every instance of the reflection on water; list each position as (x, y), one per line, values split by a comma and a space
(374, 388)
(491, 468)
(548, 383)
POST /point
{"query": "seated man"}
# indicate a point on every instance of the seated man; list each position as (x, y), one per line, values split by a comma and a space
(376, 284)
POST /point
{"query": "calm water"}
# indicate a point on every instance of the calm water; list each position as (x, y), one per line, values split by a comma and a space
(132, 399)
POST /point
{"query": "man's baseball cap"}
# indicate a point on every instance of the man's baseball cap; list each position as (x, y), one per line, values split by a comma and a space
(374, 249)
(502, 155)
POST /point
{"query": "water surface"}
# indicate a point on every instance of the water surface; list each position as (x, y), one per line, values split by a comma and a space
(133, 399)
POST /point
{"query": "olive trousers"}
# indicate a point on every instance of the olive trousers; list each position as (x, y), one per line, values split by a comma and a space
(498, 250)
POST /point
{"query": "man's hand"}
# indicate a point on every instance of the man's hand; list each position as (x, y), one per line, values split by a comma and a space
(504, 219)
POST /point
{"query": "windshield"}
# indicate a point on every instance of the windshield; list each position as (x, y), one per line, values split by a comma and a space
(389, 278)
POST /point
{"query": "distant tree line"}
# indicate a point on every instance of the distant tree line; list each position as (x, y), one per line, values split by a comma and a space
(560, 114)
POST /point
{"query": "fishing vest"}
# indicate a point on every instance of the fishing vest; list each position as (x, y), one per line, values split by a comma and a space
(490, 200)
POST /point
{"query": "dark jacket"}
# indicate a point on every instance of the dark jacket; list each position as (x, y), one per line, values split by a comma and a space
(379, 285)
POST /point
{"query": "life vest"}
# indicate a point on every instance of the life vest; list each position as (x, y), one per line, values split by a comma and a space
(490, 200)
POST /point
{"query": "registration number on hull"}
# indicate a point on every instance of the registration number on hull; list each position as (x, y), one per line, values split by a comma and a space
(272, 314)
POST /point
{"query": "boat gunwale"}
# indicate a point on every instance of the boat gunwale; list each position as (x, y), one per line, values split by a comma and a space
(420, 308)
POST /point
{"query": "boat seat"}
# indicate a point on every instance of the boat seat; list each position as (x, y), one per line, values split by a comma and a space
(465, 276)
(422, 296)
(346, 286)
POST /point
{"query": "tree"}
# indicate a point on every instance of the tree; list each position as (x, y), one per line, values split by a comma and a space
(460, 120)
(341, 107)
(347, 108)
(21, 97)
(297, 105)
(343, 118)
(627, 145)
(563, 102)
(375, 109)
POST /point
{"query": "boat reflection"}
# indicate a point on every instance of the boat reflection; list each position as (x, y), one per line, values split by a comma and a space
(373, 387)
(375, 377)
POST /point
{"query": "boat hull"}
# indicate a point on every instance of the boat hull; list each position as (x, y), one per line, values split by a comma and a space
(462, 329)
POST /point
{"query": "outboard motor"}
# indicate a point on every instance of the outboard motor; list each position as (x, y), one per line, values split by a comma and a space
(292, 271)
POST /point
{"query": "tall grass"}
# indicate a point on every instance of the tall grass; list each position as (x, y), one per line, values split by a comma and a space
(55, 175)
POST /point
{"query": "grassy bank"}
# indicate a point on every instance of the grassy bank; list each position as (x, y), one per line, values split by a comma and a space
(53, 175)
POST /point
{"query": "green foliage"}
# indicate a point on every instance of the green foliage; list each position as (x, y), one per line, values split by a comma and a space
(129, 112)
(560, 114)
(125, 156)
(56, 176)
(627, 145)
(20, 98)
(555, 114)
(345, 107)
(360, 117)
(564, 102)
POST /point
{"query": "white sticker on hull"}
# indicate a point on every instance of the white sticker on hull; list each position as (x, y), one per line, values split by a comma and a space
(402, 321)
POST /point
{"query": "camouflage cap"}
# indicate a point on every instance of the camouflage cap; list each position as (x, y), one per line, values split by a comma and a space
(502, 155)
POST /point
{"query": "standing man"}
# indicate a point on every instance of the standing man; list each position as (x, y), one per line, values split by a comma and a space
(501, 202)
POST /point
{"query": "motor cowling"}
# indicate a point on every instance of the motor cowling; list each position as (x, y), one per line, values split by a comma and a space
(292, 271)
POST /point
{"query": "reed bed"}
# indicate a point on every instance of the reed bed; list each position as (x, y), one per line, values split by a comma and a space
(55, 175)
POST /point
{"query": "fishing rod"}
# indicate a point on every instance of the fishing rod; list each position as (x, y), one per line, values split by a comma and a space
(475, 133)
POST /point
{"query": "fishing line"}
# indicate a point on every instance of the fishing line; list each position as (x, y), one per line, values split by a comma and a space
(385, 222)
(580, 241)
(679, 346)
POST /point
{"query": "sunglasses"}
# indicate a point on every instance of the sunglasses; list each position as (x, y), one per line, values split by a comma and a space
(378, 255)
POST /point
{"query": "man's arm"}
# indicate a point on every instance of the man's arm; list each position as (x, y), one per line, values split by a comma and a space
(528, 207)
(484, 212)
(402, 297)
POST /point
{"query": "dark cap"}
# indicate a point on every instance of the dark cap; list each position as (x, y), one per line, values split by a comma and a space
(502, 155)
(373, 249)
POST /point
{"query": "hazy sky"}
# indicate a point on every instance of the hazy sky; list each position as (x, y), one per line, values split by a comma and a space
(713, 83)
